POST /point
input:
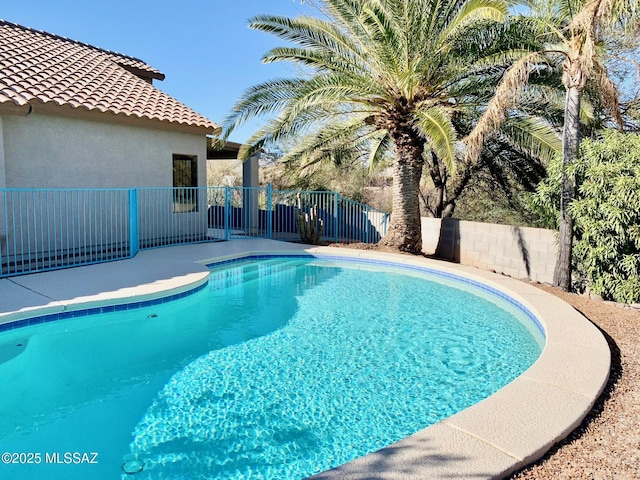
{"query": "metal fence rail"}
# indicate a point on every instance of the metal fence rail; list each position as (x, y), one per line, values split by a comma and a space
(45, 229)
(171, 216)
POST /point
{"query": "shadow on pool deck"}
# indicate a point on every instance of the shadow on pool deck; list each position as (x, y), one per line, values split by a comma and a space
(418, 458)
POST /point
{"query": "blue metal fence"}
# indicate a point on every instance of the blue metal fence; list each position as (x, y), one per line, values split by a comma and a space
(46, 229)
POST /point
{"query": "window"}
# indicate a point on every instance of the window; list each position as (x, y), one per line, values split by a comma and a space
(185, 181)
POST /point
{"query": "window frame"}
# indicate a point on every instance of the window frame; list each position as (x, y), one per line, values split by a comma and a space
(185, 183)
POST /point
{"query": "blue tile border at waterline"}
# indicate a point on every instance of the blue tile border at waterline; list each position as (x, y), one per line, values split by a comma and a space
(156, 301)
(52, 317)
(438, 273)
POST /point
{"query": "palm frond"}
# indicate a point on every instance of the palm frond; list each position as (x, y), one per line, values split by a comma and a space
(262, 99)
(474, 11)
(337, 142)
(332, 93)
(312, 33)
(318, 61)
(512, 83)
(436, 126)
(533, 136)
(608, 92)
(381, 147)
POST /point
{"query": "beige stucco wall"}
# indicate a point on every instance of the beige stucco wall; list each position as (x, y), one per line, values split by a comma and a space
(43, 151)
(520, 252)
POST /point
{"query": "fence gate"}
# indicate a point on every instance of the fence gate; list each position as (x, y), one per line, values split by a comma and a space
(239, 212)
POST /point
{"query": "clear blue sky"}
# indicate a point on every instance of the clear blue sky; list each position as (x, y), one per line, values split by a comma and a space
(205, 48)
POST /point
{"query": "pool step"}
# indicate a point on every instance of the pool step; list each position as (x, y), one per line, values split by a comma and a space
(247, 273)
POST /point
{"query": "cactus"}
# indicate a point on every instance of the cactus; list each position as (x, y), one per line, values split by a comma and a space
(309, 224)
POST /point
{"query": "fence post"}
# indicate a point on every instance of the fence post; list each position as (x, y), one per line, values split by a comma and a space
(335, 209)
(366, 226)
(226, 213)
(4, 232)
(134, 235)
(385, 223)
(269, 212)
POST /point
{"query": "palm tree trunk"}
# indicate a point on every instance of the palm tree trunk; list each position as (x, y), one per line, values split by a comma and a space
(405, 230)
(439, 182)
(570, 146)
(461, 180)
(439, 196)
(436, 198)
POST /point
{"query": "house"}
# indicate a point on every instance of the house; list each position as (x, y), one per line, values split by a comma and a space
(73, 115)
(83, 131)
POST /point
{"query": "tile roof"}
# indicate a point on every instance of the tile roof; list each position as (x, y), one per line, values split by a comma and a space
(39, 68)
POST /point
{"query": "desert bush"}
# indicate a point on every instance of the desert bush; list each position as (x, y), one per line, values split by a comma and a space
(606, 212)
(607, 216)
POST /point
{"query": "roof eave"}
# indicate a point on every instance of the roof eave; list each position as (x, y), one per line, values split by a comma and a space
(68, 111)
(10, 108)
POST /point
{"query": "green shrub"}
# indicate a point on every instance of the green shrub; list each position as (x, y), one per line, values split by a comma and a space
(606, 212)
(607, 216)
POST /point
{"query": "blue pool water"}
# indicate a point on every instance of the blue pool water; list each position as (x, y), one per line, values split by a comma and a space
(280, 369)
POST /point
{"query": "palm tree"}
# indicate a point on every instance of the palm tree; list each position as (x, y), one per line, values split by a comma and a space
(583, 62)
(579, 28)
(390, 74)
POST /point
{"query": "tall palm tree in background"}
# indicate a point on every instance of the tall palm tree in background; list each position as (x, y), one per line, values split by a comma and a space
(394, 74)
(577, 29)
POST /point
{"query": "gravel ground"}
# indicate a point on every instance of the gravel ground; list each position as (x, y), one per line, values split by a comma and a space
(607, 444)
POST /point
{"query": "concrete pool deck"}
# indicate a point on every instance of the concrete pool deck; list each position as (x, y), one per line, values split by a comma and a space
(491, 439)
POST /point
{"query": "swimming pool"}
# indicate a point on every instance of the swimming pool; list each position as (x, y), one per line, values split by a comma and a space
(159, 390)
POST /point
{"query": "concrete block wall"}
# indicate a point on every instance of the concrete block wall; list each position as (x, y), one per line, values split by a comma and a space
(520, 252)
